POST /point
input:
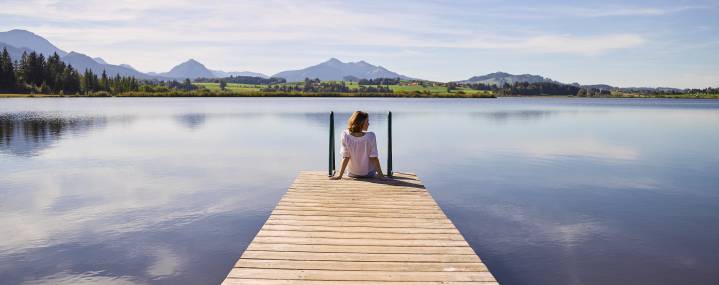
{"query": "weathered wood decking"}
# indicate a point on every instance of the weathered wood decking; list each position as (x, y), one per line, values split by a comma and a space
(352, 232)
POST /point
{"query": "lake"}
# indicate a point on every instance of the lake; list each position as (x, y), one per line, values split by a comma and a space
(546, 190)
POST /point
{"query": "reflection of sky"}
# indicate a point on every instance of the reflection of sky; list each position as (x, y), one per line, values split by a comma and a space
(141, 191)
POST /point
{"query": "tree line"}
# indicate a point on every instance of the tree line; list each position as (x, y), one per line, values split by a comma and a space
(379, 81)
(318, 86)
(520, 88)
(244, 80)
(34, 73)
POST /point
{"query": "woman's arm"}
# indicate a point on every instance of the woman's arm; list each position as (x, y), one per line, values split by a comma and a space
(345, 160)
(377, 167)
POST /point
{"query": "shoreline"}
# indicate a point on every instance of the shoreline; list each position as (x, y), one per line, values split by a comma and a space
(260, 95)
(349, 95)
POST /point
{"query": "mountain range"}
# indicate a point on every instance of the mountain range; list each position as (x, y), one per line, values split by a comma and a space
(19, 41)
(334, 69)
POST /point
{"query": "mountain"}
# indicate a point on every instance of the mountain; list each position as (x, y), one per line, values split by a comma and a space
(19, 41)
(15, 52)
(189, 69)
(26, 39)
(594, 86)
(128, 66)
(222, 74)
(334, 69)
(81, 62)
(500, 78)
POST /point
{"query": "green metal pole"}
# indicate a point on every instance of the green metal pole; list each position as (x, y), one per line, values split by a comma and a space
(389, 144)
(331, 166)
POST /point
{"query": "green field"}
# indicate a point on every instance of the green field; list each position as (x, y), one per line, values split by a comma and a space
(231, 87)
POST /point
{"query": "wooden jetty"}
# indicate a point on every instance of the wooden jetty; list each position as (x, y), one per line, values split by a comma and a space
(358, 231)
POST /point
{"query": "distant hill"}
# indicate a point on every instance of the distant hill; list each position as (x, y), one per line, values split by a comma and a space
(19, 41)
(128, 66)
(189, 69)
(81, 62)
(334, 69)
(26, 39)
(500, 78)
(595, 86)
(223, 74)
(15, 52)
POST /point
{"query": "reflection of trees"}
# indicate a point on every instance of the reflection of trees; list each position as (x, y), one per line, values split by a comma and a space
(515, 115)
(28, 134)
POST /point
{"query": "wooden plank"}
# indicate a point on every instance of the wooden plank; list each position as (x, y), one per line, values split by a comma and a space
(339, 275)
(457, 250)
(397, 207)
(359, 241)
(250, 281)
(356, 214)
(346, 224)
(396, 257)
(365, 235)
(349, 218)
(358, 231)
(362, 265)
(367, 229)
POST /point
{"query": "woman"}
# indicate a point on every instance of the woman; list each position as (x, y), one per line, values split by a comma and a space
(359, 149)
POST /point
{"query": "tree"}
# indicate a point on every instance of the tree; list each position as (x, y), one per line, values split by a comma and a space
(104, 82)
(70, 81)
(54, 72)
(7, 72)
(223, 85)
(187, 85)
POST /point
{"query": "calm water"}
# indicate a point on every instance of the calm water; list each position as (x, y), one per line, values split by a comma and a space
(171, 191)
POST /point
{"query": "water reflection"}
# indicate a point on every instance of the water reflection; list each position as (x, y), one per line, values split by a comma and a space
(175, 196)
(527, 115)
(27, 134)
(192, 121)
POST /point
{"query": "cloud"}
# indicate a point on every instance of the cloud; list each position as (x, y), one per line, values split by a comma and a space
(577, 11)
(568, 44)
(578, 147)
(627, 11)
(167, 263)
(65, 278)
(146, 29)
(568, 235)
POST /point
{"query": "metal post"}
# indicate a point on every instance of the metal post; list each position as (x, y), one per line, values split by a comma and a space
(389, 144)
(332, 145)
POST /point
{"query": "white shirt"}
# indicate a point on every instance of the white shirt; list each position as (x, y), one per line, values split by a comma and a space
(359, 150)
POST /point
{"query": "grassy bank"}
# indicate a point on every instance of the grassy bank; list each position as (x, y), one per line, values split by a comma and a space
(262, 94)
(247, 91)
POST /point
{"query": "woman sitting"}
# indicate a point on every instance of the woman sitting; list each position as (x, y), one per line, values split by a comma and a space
(359, 149)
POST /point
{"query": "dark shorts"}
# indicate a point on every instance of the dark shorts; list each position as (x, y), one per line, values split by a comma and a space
(368, 175)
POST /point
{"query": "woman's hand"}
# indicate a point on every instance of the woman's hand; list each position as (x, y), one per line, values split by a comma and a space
(338, 176)
(381, 176)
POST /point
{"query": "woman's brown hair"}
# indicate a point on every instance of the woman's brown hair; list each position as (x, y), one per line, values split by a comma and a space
(356, 121)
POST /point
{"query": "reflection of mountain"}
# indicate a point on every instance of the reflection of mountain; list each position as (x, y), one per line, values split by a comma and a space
(514, 115)
(192, 121)
(26, 134)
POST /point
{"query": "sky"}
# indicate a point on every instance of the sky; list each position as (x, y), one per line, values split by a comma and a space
(622, 43)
